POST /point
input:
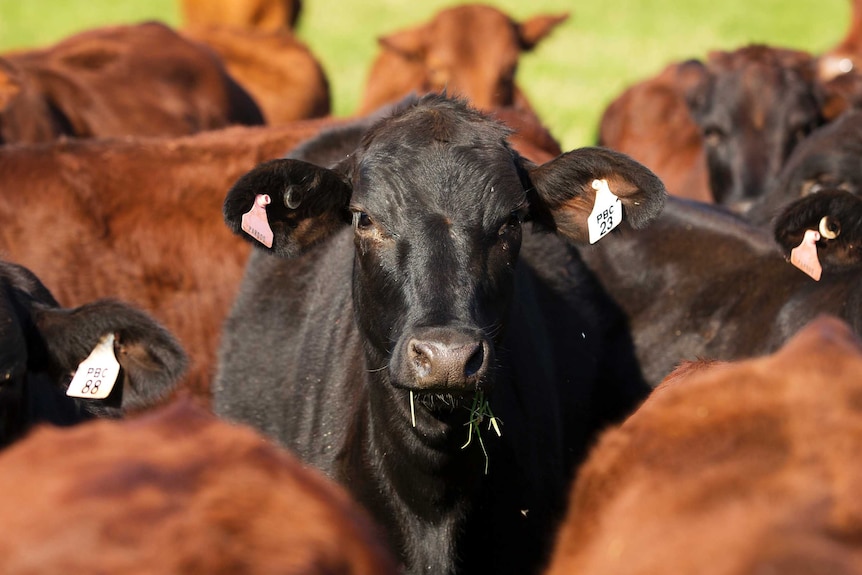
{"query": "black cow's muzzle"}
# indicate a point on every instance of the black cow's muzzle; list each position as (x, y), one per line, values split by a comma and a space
(442, 360)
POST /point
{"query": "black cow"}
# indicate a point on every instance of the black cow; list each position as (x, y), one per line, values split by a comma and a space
(42, 345)
(828, 158)
(753, 106)
(403, 288)
(702, 283)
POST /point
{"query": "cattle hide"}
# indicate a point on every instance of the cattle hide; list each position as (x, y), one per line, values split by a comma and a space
(142, 80)
(175, 491)
(402, 285)
(730, 469)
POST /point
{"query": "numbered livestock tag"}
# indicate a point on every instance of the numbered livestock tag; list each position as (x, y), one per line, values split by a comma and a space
(607, 211)
(254, 221)
(804, 256)
(96, 375)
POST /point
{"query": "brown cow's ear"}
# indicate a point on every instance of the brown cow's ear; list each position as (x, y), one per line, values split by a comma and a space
(567, 187)
(531, 31)
(304, 204)
(410, 43)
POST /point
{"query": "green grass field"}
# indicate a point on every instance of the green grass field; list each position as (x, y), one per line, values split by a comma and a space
(570, 77)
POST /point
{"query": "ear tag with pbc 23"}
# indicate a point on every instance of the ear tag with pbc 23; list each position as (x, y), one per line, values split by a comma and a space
(254, 221)
(804, 256)
(96, 375)
(607, 211)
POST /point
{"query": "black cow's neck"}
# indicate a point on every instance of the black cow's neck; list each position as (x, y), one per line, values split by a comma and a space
(416, 481)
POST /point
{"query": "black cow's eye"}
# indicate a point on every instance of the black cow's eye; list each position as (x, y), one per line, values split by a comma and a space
(362, 221)
(514, 221)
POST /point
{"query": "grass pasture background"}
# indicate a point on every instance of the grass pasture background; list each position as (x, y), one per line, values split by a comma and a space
(570, 77)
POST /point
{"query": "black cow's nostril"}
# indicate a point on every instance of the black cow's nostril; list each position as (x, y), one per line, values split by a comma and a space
(421, 357)
(476, 361)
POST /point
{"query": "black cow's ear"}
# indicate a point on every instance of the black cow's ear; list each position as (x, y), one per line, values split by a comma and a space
(569, 187)
(148, 358)
(287, 205)
(833, 219)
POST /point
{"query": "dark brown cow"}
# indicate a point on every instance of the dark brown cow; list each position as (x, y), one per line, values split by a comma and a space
(175, 491)
(733, 469)
(268, 15)
(139, 219)
(752, 106)
(116, 81)
(650, 122)
(470, 50)
(280, 72)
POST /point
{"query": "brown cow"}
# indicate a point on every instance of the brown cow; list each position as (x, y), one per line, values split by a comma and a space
(175, 491)
(731, 469)
(143, 80)
(267, 15)
(139, 219)
(280, 72)
(650, 122)
(469, 50)
(847, 54)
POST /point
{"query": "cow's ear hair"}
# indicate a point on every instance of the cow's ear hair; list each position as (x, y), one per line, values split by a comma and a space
(836, 215)
(531, 31)
(307, 203)
(151, 360)
(410, 43)
(562, 195)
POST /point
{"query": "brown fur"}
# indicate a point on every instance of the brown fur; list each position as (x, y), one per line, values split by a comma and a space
(126, 80)
(740, 468)
(265, 15)
(470, 51)
(282, 75)
(651, 123)
(175, 491)
(141, 220)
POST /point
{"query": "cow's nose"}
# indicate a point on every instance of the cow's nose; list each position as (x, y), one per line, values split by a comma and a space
(453, 364)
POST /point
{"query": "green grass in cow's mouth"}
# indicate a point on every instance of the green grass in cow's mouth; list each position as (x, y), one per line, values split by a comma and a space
(480, 409)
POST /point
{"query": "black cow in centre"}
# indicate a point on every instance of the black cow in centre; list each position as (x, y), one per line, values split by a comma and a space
(403, 297)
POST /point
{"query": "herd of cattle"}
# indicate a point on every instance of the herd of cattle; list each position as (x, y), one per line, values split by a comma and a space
(423, 339)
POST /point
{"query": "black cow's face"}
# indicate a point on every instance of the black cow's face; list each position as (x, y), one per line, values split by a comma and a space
(437, 236)
(753, 106)
(437, 199)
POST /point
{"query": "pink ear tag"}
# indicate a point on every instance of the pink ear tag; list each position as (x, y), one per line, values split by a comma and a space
(804, 256)
(254, 221)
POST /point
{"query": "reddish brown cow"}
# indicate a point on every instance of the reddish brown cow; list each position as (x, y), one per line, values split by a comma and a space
(142, 80)
(732, 469)
(469, 50)
(280, 72)
(650, 122)
(139, 219)
(175, 491)
(847, 54)
(270, 15)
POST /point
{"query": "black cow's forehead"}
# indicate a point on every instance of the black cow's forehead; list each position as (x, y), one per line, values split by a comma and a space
(439, 159)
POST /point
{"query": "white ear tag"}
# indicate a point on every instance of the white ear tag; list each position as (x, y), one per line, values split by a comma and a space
(96, 375)
(804, 256)
(607, 212)
(254, 221)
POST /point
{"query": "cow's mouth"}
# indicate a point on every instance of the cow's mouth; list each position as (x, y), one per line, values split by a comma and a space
(442, 402)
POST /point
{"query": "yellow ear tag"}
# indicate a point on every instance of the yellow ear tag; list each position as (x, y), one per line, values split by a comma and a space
(96, 375)
(607, 212)
(254, 221)
(804, 256)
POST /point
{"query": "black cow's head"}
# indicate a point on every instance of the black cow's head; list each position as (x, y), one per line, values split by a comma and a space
(828, 158)
(437, 199)
(42, 345)
(836, 216)
(753, 106)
